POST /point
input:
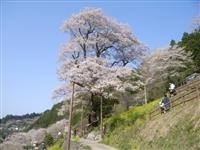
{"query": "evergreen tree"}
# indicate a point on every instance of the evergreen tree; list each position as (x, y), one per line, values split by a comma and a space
(172, 43)
(191, 44)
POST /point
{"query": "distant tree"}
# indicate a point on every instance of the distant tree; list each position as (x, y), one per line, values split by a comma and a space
(172, 43)
(162, 64)
(191, 44)
(185, 37)
(48, 117)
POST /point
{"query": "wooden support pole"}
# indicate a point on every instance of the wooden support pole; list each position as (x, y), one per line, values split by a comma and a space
(70, 118)
(101, 123)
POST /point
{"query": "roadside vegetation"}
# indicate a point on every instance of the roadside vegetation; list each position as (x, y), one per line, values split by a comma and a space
(178, 129)
(122, 128)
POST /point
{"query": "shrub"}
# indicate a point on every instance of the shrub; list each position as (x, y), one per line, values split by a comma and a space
(48, 139)
(57, 145)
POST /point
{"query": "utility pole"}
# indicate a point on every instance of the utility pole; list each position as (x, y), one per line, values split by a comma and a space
(70, 118)
(145, 94)
(101, 111)
(82, 130)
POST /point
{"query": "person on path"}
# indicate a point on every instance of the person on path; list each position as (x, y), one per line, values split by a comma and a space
(165, 104)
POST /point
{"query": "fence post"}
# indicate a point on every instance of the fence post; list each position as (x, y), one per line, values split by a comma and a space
(183, 99)
(198, 94)
(170, 102)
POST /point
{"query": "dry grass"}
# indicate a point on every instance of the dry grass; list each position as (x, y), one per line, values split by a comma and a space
(160, 126)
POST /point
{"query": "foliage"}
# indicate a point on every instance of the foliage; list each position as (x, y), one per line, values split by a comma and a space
(57, 145)
(122, 128)
(191, 43)
(128, 118)
(172, 43)
(97, 44)
(178, 129)
(76, 139)
(3, 134)
(76, 117)
(161, 67)
(93, 34)
(17, 117)
(157, 90)
(48, 117)
(107, 105)
(48, 139)
(161, 64)
(97, 56)
(22, 122)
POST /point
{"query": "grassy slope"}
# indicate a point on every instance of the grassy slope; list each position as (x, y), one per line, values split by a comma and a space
(178, 129)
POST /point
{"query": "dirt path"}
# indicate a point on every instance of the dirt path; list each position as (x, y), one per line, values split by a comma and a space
(95, 145)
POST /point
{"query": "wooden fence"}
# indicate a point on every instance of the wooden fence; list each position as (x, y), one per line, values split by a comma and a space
(189, 91)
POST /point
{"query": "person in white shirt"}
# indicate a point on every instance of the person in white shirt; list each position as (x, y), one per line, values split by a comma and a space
(172, 89)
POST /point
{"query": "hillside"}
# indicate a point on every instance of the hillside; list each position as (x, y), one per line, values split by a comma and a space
(177, 129)
(23, 140)
(142, 127)
(20, 131)
(49, 117)
(13, 123)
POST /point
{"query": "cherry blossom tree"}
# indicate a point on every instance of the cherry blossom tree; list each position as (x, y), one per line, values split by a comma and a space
(94, 34)
(96, 57)
(162, 63)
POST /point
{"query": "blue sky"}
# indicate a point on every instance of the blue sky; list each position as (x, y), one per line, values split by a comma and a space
(31, 38)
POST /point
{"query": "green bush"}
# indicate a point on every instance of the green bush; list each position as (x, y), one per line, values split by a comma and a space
(57, 145)
(114, 122)
(48, 139)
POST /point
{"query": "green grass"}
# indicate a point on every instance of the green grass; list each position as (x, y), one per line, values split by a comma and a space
(122, 128)
(136, 115)
(57, 145)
